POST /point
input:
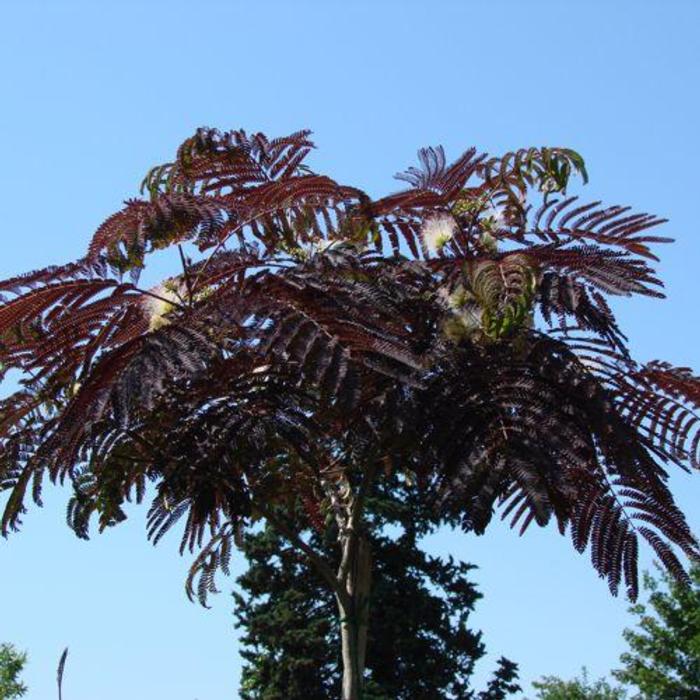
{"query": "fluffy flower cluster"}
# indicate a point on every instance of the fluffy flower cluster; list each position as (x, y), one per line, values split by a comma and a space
(438, 230)
(465, 314)
(166, 297)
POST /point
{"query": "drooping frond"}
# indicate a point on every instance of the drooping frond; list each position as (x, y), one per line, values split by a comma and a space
(542, 433)
(215, 556)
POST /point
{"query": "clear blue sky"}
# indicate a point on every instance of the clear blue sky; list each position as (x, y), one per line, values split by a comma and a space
(94, 93)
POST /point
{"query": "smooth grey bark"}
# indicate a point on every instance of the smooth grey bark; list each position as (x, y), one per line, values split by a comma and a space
(354, 616)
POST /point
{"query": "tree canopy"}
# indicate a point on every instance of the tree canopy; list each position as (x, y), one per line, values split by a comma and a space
(321, 327)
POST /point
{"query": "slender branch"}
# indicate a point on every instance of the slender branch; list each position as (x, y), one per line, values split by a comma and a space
(352, 526)
(186, 272)
(316, 559)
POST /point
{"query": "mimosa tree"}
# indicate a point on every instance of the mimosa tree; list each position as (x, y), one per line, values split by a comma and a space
(314, 341)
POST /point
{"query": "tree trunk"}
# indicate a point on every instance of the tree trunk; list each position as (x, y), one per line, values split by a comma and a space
(354, 622)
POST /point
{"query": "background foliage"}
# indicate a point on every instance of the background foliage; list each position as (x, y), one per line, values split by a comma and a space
(580, 688)
(12, 663)
(663, 659)
(663, 656)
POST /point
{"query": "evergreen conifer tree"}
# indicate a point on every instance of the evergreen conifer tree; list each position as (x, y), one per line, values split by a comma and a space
(419, 646)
